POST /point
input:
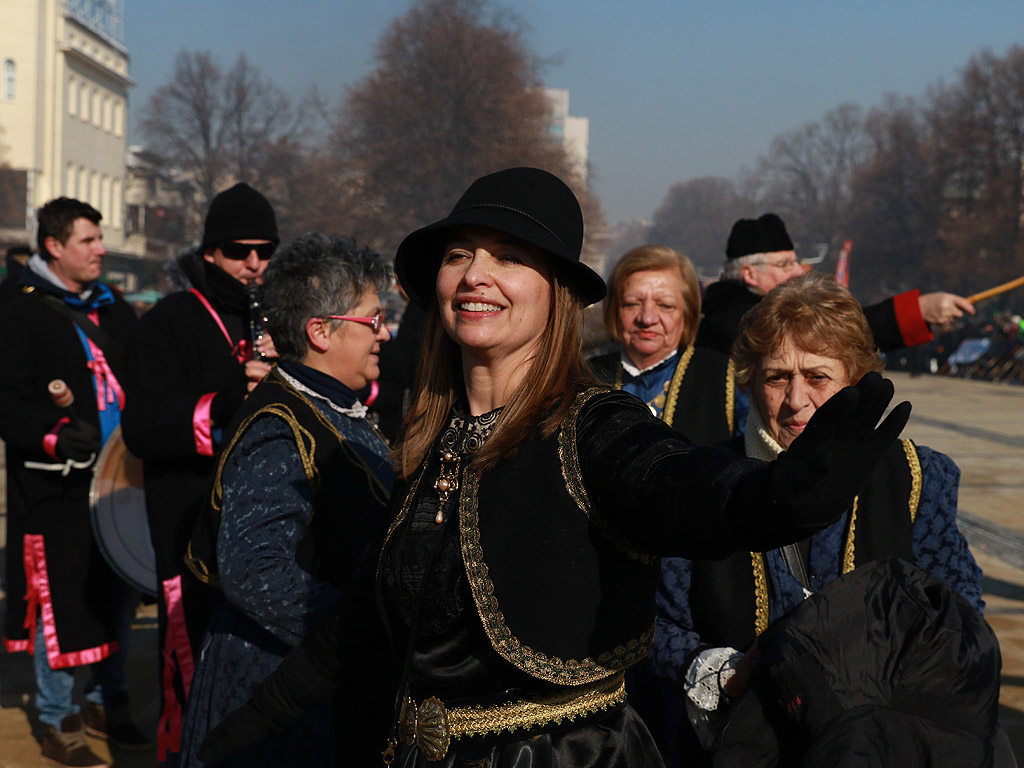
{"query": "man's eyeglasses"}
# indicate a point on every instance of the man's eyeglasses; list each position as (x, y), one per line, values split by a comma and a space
(241, 251)
(785, 264)
(374, 322)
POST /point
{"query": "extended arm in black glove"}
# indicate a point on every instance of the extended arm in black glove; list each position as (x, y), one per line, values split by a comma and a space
(815, 481)
(77, 440)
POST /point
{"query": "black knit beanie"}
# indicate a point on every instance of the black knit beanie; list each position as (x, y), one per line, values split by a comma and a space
(239, 213)
(764, 235)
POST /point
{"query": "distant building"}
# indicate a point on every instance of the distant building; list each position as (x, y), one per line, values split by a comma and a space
(63, 111)
(157, 197)
(573, 133)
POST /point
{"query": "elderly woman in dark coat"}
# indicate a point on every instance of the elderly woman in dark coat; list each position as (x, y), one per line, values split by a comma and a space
(519, 571)
(302, 456)
(805, 341)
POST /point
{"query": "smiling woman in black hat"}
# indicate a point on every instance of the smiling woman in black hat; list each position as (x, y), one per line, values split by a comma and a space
(519, 571)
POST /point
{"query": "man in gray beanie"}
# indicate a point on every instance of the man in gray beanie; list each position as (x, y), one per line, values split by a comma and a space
(189, 367)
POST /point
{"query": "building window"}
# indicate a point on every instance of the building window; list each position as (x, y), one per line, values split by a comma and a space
(107, 119)
(116, 214)
(72, 97)
(97, 110)
(10, 79)
(83, 103)
(69, 185)
(104, 205)
(118, 117)
(132, 222)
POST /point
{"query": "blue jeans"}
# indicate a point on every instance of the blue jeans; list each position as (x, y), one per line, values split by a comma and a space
(55, 686)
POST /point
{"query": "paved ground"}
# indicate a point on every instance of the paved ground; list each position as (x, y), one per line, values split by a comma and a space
(981, 425)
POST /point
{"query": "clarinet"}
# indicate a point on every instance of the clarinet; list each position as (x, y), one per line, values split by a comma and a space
(257, 323)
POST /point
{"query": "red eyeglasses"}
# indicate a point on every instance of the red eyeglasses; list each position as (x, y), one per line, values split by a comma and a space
(374, 322)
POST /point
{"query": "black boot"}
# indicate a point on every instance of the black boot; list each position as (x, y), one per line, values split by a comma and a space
(68, 747)
(114, 724)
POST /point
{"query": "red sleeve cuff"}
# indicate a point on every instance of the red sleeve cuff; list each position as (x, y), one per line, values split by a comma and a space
(50, 438)
(913, 327)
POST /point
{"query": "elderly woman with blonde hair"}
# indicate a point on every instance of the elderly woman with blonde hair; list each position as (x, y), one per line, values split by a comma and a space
(804, 342)
(652, 309)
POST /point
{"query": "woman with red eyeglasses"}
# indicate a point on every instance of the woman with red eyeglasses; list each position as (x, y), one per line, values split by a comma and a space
(301, 463)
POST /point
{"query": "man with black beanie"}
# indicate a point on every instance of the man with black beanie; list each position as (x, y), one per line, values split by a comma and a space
(760, 255)
(189, 367)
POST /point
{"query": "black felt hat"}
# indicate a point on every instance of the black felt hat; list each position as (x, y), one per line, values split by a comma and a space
(239, 213)
(764, 235)
(527, 203)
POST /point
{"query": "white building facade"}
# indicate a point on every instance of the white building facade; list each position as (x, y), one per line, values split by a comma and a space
(573, 133)
(63, 110)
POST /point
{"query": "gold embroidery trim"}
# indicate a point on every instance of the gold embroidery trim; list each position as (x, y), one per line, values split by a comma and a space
(851, 536)
(377, 488)
(431, 725)
(402, 513)
(760, 593)
(730, 396)
(573, 477)
(305, 443)
(916, 476)
(535, 663)
(849, 550)
(675, 385)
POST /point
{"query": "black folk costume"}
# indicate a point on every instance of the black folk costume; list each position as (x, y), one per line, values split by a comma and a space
(296, 516)
(53, 563)
(527, 590)
(694, 391)
(537, 584)
(189, 349)
(711, 611)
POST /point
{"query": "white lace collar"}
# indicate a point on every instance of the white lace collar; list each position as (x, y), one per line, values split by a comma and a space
(357, 411)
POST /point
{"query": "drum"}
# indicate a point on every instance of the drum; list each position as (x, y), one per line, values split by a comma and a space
(117, 508)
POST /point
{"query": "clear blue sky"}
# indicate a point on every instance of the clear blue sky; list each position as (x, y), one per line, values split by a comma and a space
(674, 89)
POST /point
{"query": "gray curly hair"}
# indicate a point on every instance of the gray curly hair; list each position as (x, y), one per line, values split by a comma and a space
(313, 276)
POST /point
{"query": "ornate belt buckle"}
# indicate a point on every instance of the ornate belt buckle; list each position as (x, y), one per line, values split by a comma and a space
(407, 722)
(432, 735)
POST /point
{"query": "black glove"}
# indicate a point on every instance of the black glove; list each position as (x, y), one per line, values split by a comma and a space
(77, 440)
(229, 397)
(815, 481)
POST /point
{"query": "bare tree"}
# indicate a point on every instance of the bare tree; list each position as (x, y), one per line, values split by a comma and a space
(977, 150)
(695, 218)
(896, 209)
(222, 127)
(807, 174)
(455, 94)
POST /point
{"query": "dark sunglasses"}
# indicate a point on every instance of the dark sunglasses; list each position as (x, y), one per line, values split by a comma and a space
(241, 251)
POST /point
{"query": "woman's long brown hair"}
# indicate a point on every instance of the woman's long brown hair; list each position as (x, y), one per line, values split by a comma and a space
(544, 397)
